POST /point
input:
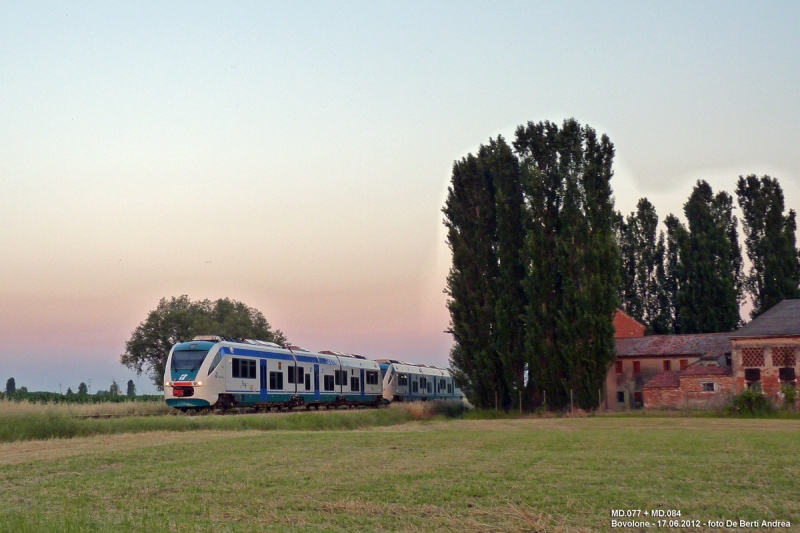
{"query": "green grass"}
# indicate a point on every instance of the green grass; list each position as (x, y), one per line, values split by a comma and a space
(48, 426)
(554, 474)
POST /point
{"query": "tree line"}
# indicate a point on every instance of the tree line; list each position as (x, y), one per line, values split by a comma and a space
(541, 260)
(690, 279)
(113, 394)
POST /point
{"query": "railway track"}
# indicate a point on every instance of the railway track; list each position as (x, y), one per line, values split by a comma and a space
(228, 412)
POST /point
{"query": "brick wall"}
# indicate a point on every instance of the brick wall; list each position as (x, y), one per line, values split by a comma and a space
(691, 394)
(663, 399)
(626, 327)
(768, 355)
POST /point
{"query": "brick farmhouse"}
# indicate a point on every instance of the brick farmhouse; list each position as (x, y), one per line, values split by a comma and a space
(706, 370)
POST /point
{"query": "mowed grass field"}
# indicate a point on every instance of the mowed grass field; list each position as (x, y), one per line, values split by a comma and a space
(534, 474)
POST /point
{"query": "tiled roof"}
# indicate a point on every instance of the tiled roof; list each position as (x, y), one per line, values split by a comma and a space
(714, 344)
(664, 380)
(782, 320)
(698, 370)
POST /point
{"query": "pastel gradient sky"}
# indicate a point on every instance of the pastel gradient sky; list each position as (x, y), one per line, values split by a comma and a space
(295, 156)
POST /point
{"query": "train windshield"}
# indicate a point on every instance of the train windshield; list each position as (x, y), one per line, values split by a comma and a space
(188, 360)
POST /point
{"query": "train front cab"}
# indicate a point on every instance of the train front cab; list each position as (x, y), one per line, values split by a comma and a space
(186, 380)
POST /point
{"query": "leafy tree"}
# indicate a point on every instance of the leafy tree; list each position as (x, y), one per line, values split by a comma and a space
(11, 386)
(113, 390)
(510, 330)
(131, 389)
(642, 251)
(180, 319)
(470, 217)
(710, 264)
(770, 239)
(82, 388)
(572, 258)
(669, 285)
(70, 393)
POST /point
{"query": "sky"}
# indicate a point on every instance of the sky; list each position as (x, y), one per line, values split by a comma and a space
(296, 156)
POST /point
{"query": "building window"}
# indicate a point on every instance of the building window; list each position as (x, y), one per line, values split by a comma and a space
(619, 367)
(786, 374)
(276, 380)
(708, 387)
(637, 367)
(328, 383)
(684, 364)
(667, 365)
(752, 357)
(620, 397)
(728, 360)
(243, 368)
(637, 397)
(752, 377)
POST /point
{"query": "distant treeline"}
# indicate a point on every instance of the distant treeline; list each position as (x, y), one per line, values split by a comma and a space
(82, 396)
(541, 260)
(54, 397)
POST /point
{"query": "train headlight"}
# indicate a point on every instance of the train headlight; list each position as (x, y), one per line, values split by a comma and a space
(197, 383)
(169, 384)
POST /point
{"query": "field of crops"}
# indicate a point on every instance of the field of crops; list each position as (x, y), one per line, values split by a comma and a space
(528, 474)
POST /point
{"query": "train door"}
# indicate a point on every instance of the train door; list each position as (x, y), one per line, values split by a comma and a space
(316, 382)
(263, 375)
(363, 385)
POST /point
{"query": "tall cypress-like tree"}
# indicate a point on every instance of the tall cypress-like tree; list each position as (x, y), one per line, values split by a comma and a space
(642, 257)
(770, 239)
(509, 334)
(671, 284)
(470, 217)
(572, 257)
(710, 264)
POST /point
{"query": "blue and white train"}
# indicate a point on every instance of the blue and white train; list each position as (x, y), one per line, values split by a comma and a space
(219, 372)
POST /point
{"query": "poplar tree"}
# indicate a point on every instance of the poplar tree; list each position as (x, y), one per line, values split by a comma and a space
(671, 282)
(642, 252)
(774, 273)
(471, 226)
(572, 259)
(710, 264)
(509, 333)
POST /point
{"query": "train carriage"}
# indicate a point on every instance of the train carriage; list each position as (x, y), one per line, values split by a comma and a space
(212, 371)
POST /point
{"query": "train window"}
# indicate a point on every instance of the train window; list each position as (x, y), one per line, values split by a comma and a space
(372, 377)
(290, 377)
(299, 375)
(430, 387)
(402, 380)
(328, 383)
(214, 362)
(308, 381)
(243, 368)
(414, 387)
(354, 384)
(276, 380)
(449, 388)
(188, 359)
(423, 383)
